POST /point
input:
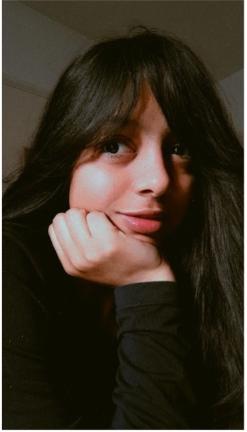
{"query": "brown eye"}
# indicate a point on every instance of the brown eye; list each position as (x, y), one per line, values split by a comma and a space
(177, 149)
(180, 150)
(116, 147)
(112, 147)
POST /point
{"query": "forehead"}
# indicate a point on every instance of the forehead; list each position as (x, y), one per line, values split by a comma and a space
(147, 114)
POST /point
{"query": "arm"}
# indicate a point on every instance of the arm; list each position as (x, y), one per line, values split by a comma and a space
(153, 386)
(153, 389)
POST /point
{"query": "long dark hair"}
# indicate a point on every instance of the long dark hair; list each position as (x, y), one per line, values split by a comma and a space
(99, 90)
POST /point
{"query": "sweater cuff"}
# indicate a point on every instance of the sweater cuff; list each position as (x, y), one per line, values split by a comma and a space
(146, 293)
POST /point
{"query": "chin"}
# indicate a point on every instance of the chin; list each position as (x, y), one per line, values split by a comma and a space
(145, 238)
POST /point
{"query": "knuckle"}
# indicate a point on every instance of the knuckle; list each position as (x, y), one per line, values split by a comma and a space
(73, 212)
(76, 262)
(58, 218)
(90, 216)
(101, 256)
(92, 257)
(70, 212)
(95, 214)
(71, 271)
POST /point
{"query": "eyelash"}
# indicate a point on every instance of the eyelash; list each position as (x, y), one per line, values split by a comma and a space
(178, 150)
(107, 147)
(170, 149)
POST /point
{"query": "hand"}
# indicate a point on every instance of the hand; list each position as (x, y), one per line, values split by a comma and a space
(90, 247)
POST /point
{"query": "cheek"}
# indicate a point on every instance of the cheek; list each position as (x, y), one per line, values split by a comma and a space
(181, 198)
(186, 188)
(91, 188)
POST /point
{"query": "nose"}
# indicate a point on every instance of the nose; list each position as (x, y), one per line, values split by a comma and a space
(151, 173)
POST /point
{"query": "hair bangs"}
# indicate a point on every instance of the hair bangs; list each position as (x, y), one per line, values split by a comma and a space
(111, 99)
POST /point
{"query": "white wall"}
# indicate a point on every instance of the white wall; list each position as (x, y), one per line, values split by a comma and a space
(36, 50)
(21, 114)
(232, 90)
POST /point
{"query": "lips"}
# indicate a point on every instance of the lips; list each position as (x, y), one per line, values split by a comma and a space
(145, 222)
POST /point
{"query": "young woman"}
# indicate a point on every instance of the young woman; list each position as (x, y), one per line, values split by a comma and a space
(122, 296)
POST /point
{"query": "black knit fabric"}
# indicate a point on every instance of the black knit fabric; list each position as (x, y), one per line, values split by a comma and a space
(64, 369)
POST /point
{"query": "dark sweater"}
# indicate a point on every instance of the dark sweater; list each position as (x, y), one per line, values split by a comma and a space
(63, 367)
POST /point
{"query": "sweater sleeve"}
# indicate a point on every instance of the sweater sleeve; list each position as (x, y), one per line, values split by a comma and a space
(153, 388)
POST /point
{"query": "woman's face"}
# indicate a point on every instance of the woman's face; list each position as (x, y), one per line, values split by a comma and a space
(140, 178)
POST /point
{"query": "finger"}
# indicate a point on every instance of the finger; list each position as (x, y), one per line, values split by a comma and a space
(100, 226)
(60, 253)
(70, 248)
(78, 227)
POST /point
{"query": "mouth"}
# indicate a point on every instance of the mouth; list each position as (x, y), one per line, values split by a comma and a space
(143, 222)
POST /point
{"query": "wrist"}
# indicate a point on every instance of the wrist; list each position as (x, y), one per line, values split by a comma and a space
(163, 273)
